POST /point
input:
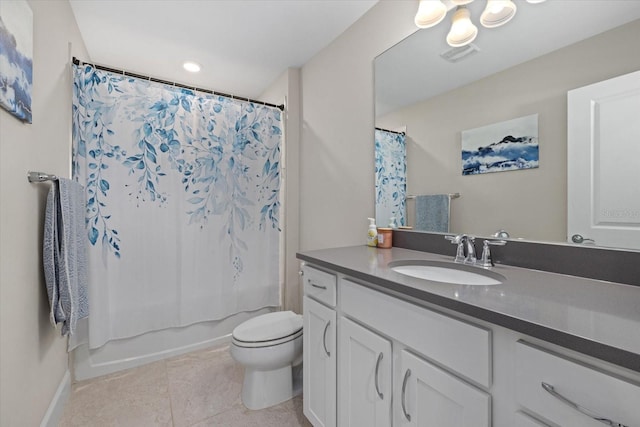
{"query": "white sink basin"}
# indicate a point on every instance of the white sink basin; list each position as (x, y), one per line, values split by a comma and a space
(445, 272)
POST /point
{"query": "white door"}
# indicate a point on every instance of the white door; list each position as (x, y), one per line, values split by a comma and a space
(364, 392)
(604, 163)
(427, 396)
(319, 364)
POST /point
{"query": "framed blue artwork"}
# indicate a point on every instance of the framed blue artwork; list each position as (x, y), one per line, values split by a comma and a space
(16, 58)
(505, 146)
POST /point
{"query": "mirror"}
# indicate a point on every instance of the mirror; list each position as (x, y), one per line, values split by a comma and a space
(523, 68)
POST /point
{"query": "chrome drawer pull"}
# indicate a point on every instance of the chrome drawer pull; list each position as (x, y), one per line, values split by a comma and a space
(380, 395)
(552, 391)
(404, 390)
(317, 286)
(324, 339)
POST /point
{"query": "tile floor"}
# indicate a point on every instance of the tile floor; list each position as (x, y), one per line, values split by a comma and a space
(199, 389)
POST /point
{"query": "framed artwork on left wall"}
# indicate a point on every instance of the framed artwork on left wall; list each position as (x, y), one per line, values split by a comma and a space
(16, 58)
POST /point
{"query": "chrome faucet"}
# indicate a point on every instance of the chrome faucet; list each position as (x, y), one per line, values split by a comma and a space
(466, 252)
(471, 250)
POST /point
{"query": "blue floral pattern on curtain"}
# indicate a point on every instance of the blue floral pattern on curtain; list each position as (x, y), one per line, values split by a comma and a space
(391, 177)
(141, 146)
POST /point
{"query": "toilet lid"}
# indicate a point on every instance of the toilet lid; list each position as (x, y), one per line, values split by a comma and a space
(268, 327)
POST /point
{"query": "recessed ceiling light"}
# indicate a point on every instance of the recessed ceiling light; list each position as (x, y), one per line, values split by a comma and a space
(192, 67)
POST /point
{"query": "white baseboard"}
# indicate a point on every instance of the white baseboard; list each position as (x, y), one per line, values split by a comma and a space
(56, 407)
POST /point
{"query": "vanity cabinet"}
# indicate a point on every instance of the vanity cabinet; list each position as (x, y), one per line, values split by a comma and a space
(403, 362)
(319, 344)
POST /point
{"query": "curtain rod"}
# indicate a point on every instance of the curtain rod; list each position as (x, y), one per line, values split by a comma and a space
(390, 131)
(77, 61)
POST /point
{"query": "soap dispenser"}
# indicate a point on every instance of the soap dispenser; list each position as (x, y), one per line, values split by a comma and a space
(372, 233)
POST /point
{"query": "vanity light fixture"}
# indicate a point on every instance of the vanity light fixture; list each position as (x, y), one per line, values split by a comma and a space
(430, 13)
(192, 67)
(463, 32)
(497, 13)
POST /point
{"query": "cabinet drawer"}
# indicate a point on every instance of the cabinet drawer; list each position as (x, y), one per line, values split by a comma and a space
(608, 396)
(524, 420)
(460, 346)
(320, 285)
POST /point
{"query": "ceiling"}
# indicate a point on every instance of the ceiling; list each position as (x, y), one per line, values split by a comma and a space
(413, 70)
(242, 45)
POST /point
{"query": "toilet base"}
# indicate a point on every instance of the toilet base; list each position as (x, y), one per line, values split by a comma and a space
(262, 389)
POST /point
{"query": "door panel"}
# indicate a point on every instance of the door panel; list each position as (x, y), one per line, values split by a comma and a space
(604, 162)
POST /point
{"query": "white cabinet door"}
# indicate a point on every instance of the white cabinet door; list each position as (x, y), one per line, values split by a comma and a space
(427, 396)
(364, 390)
(319, 367)
(603, 173)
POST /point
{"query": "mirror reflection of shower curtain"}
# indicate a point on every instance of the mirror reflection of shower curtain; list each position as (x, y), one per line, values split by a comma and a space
(391, 177)
(182, 203)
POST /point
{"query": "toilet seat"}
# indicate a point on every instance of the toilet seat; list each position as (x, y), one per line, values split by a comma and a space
(268, 329)
(266, 343)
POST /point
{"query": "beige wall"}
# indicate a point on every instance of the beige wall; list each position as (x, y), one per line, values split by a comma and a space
(336, 151)
(530, 203)
(33, 357)
(287, 88)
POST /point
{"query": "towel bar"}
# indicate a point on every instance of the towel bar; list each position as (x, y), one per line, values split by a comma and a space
(451, 196)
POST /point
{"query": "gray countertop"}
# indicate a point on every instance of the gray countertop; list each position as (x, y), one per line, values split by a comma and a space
(594, 317)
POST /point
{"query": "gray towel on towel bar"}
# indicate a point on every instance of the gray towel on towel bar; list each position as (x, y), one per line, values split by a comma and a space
(64, 254)
(432, 213)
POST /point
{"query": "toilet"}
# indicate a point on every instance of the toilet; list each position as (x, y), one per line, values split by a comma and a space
(269, 347)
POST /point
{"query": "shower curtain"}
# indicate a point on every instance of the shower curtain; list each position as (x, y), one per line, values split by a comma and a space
(391, 177)
(182, 203)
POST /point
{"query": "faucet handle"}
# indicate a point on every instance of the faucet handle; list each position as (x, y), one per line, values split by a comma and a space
(455, 240)
(486, 261)
(459, 240)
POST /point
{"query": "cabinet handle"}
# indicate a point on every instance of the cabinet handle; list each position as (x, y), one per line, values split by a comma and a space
(404, 392)
(380, 395)
(317, 286)
(552, 391)
(324, 338)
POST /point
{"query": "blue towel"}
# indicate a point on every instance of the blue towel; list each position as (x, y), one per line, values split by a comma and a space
(65, 254)
(432, 213)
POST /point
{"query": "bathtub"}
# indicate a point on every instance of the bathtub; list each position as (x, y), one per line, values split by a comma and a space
(128, 353)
